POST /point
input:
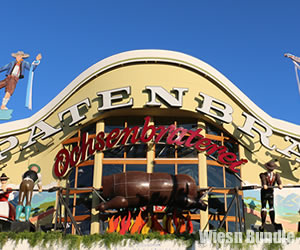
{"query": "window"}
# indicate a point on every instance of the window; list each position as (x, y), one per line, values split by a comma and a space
(220, 177)
(164, 168)
(173, 159)
(109, 169)
(180, 159)
(189, 169)
(127, 157)
(81, 176)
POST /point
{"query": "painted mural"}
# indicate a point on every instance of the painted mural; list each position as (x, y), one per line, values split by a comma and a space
(286, 204)
(42, 204)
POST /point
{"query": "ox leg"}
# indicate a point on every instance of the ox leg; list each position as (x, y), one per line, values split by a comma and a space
(115, 203)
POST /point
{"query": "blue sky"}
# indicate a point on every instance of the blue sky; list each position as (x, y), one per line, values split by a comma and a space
(244, 40)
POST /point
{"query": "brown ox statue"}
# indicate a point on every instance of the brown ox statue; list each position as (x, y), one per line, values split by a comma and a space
(136, 189)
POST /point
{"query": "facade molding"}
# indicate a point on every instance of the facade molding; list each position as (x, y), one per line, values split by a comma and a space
(163, 56)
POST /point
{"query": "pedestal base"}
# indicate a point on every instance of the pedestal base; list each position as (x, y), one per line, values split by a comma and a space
(5, 225)
(19, 226)
(5, 114)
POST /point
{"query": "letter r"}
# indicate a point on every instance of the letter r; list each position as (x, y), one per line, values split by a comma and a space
(264, 135)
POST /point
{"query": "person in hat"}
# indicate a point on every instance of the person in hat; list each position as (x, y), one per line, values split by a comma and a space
(294, 58)
(15, 71)
(31, 177)
(268, 179)
(4, 192)
(4, 195)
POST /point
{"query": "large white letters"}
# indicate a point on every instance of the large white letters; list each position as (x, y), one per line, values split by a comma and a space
(13, 142)
(290, 149)
(120, 97)
(114, 95)
(207, 105)
(264, 135)
(45, 129)
(166, 96)
(75, 112)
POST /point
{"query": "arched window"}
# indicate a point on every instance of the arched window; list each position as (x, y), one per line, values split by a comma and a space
(173, 159)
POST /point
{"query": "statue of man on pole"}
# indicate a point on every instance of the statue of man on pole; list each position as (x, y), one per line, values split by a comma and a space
(268, 181)
(14, 71)
(296, 61)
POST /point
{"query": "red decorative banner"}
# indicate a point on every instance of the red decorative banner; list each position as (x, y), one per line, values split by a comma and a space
(117, 137)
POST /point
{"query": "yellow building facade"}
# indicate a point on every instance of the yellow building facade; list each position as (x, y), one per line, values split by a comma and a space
(169, 88)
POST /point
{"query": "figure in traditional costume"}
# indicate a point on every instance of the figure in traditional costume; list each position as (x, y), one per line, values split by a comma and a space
(14, 71)
(31, 177)
(268, 180)
(294, 58)
(296, 61)
(4, 195)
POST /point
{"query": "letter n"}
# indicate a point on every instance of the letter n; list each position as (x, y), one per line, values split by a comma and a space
(165, 96)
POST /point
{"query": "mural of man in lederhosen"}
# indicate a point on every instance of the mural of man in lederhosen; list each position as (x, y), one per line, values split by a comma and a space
(31, 177)
(268, 179)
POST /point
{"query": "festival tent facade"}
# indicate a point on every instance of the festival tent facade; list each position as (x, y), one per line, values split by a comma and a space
(212, 132)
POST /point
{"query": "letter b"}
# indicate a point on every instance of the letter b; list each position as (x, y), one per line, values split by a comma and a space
(145, 130)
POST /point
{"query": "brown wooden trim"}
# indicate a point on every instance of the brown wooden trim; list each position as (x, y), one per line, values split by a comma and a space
(86, 163)
(176, 161)
(218, 137)
(71, 140)
(226, 191)
(124, 161)
(213, 163)
(194, 216)
(78, 218)
(214, 137)
(77, 191)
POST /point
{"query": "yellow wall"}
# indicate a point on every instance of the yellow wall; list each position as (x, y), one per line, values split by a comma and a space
(138, 77)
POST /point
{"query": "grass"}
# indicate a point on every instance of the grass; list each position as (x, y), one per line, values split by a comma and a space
(73, 242)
